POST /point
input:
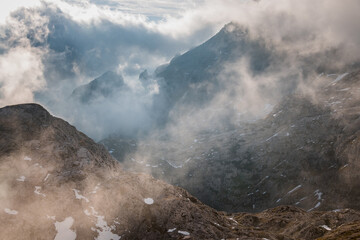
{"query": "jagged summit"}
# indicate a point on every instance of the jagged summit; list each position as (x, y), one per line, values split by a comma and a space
(31, 109)
(193, 77)
(102, 87)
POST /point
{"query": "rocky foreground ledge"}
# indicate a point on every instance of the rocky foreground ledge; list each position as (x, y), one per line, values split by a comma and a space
(56, 183)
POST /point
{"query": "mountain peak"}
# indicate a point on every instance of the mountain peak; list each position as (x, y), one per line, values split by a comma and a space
(100, 87)
(233, 27)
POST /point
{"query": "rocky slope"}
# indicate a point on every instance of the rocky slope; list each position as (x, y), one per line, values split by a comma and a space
(304, 153)
(56, 183)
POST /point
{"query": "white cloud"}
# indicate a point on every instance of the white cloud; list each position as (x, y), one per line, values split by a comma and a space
(21, 75)
(6, 7)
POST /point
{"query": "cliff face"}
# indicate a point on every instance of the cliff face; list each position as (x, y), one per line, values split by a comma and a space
(56, 183)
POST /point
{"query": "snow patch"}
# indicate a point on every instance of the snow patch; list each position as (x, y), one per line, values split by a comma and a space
(171, 230)
(174, 165)
(346, 165)
(103, 229)
(232, 219)
(318, 194)
(274, 115)
(95, 189)
(272, 137)
(47, 176)
(26, 158)
(217, 224)
(11, 212)
(344, 89)
(149, 201)
(21, 179)
(63, 230)
(340, 77)
(316, 206)
(326, 227)
(37, 191)
(184, 233)
(294, 189)
(79, 196)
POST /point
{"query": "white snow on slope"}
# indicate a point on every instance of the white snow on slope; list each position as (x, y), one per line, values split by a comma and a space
(340, 77)
(37, 191)
(21, 179)
(232, 219)
(184, 233)
(294, 189)
(297, 203)
(103, 229)
(95, 189)
(79, 196)
(26, 158)
(346, 165)
(316, 206)
(63, 230)
(344, 89)
(171, 230)
(149, 201)
(174, 165)
(326, 227)
(318, 194)
(11, 212)
(47, 176)
(272, 137)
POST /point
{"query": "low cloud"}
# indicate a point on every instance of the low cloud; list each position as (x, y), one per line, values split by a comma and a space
(21, 76)
(63, 44)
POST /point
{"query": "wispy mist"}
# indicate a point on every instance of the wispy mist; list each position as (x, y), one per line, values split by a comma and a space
(64, 44)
